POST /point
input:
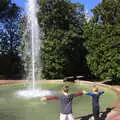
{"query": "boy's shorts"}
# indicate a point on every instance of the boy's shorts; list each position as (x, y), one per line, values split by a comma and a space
(66, 116)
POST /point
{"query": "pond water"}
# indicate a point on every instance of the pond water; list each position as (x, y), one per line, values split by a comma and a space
(14, 107)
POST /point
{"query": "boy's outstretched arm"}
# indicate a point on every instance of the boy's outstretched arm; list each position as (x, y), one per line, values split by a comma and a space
(88, 93)
(43, 98)
(78, 94)
(101, 92)
(49, 98)
(91, 93)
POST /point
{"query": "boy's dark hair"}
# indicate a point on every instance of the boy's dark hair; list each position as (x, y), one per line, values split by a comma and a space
(95, 88)
(65, 88)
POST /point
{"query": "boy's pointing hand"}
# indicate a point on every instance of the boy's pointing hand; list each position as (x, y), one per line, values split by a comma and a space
(84, 92)
(43, 98)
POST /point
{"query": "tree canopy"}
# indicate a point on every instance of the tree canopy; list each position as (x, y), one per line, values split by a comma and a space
(103, 40)
(63, 53)
(10, 38)
(71, 45)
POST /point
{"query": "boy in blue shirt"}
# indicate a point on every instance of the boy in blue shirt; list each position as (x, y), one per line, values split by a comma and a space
(95, 101)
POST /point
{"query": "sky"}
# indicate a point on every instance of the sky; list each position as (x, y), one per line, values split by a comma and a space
(89, 4)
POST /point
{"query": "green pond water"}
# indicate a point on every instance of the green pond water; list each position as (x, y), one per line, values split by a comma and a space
(13, 107)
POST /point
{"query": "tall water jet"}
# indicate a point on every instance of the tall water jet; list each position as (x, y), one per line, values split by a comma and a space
(34, 41)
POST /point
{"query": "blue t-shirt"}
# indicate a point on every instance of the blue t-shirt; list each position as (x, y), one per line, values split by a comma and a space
(95, 98)
(66, 103)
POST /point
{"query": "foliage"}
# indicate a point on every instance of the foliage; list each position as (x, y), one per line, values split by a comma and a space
(102, 35)
(4, 6)
(10, 35)
(10, 32)
(107, 12)
(63, 52)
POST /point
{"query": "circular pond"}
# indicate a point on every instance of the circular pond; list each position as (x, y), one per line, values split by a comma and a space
(14, 107)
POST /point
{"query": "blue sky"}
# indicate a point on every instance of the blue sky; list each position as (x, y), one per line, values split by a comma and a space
(89, 4)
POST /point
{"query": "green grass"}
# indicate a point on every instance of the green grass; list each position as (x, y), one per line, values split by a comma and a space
(16, 108)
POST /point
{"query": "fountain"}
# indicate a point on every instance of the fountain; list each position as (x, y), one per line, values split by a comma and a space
(35, 34)
(33, 51)
(14, 107)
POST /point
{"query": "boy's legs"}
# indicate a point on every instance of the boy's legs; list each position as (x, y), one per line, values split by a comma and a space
(63, 116)
(96, 113)
(70, 117)
(66, 117)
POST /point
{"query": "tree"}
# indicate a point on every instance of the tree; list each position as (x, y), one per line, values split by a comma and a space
(103, 40)
(4, 6)
(63, 51)
(10, 38)
(107, 12)
(10, 32)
